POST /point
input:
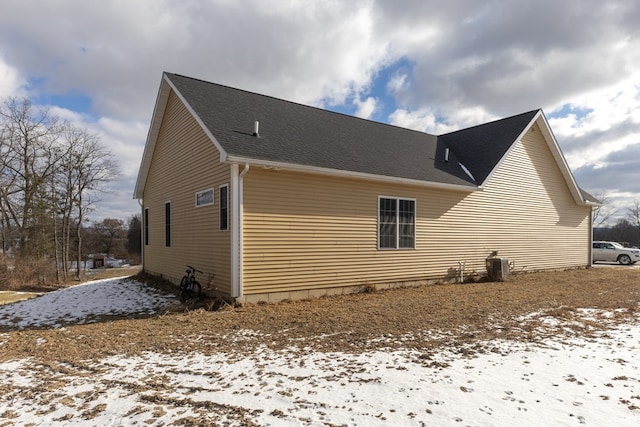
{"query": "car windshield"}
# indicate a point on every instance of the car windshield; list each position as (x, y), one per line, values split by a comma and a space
(617, 245)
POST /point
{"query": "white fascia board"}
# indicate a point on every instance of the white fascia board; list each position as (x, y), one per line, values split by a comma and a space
(166, 86)
(556, 151)
(349, 174)
(152, 136)
(223, 153)
(513, 143)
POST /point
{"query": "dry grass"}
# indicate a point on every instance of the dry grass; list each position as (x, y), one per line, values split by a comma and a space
(7, 297)
(462, 316)
(19, 293)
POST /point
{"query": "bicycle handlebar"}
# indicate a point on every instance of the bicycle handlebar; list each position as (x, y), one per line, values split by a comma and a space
(194, 269)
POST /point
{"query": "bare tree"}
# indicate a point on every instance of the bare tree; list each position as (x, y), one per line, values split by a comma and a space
(603, 213)
(27, 139)
(633, 216)
(50, 176)
(88, 166)
(109, 237)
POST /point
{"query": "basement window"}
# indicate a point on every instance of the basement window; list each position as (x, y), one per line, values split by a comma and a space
(396, 223)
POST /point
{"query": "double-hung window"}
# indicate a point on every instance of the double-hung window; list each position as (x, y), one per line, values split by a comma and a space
(396, 223)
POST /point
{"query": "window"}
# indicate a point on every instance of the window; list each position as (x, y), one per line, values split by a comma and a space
(204, 198)
(396, 223)
(146, 226)
(167, 224)
(224, 207)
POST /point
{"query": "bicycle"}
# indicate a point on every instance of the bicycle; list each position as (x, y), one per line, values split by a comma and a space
(189, 287)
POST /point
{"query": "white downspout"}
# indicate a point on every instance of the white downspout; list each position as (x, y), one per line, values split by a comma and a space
(142, 226)
(237, 188)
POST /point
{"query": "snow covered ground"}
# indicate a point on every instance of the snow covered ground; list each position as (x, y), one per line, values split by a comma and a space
(561, 381)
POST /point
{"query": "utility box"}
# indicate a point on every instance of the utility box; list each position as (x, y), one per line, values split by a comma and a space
(497, 267)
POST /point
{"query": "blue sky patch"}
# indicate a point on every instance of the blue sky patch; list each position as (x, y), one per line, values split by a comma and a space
(73, 101)
(567, 109)
(385, 101)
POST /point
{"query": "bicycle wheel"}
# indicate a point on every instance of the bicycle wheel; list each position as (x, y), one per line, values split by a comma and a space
(191, 291)
(183, 288)
(195, 289)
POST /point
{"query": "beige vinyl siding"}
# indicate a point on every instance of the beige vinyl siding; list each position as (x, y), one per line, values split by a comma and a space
(525, 211)
(304, 231)
(185, 161)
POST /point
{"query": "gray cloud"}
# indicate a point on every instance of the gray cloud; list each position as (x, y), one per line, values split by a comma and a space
(620, 174)
(465, 61)
(509, 56)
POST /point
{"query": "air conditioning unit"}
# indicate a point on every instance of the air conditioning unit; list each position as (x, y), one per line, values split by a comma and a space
(497, 268)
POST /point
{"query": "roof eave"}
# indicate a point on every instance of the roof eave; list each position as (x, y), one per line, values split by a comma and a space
(349, 174)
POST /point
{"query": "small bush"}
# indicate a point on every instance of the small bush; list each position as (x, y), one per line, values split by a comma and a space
(26, 274)
(369, 289)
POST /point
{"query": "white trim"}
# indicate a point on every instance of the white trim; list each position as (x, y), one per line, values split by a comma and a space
(166, 86)
(415, 231)
(223, 153)
(152, 136)
(556, 152)
(200, 193)
(236, 229)
(350, 174)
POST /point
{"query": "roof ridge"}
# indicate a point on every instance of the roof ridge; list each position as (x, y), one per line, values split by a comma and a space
(300, 104)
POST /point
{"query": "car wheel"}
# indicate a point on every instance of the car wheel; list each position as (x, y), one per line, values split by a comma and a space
(624, 259)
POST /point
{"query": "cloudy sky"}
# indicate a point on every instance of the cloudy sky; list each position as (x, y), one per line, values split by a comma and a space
(434, 66)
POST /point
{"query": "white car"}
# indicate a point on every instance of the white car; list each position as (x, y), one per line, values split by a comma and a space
(614, 252)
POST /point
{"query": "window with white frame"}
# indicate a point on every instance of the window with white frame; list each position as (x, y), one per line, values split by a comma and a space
(396, 223)
(204, 197)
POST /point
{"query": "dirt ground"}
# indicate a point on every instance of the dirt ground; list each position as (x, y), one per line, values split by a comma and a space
(461, 316)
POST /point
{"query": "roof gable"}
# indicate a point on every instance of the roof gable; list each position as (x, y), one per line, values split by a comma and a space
(480, 148)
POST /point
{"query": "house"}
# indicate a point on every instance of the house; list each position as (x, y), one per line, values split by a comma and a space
(274, 199)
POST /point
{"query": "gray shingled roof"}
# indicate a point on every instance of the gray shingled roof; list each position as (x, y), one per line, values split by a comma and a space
(300, 135)
(297, 134)
(481, 147)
